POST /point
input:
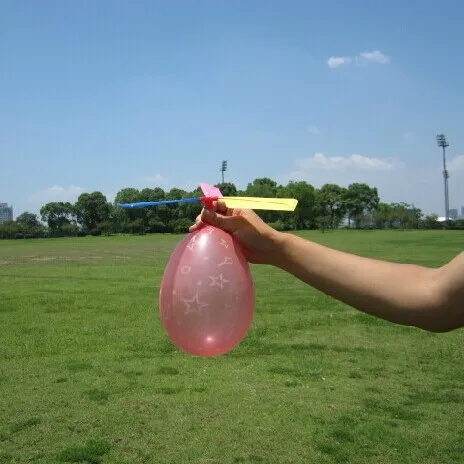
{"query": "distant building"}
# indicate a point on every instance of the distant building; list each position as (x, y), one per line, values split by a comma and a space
(462, 211)
(453, 213)
(6, 212)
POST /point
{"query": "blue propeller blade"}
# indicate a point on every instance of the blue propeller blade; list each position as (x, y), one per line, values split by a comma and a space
(142, 204)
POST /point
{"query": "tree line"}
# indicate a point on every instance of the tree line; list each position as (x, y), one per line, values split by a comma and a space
(329, 207)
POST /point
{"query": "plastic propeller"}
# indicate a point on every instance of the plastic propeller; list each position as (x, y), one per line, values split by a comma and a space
(212, 194)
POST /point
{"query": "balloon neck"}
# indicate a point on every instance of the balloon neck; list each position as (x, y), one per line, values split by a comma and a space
(208, 202)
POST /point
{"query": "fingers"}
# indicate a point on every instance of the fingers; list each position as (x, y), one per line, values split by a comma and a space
(221, 207)
(197, 224)
(205, 217)
(212, 217)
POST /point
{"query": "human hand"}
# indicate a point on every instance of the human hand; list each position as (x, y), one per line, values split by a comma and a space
(260, 242)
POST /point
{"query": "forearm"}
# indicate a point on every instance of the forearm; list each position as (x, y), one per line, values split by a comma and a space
(401, 293)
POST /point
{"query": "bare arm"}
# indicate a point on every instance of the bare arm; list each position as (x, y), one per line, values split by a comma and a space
(432, 299)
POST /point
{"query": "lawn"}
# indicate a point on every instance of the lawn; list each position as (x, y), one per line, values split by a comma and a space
(87, 373)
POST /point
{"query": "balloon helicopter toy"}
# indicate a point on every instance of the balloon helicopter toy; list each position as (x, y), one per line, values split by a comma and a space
(207, 299)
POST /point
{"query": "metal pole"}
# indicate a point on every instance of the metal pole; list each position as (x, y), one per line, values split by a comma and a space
(445, 179)
(443, 143)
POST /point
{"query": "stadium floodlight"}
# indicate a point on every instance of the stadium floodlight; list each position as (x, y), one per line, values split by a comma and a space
(223, 169)
(443, 143)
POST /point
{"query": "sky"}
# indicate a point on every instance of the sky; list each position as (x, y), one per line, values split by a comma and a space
(102, 95)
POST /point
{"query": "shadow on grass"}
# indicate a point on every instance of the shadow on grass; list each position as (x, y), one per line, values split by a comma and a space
(19, 426)
(6, 457)
(79, 366)
(342, 437)
(92, 452)
(435, 397)
(97, 395)
(168, 390)
(252, 458)
(393, 411)
(7, 309)
(166, 370)
(257, 346)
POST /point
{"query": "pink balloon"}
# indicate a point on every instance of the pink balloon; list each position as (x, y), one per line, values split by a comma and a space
(207, 299)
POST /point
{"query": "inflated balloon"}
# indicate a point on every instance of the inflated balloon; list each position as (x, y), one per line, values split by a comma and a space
(207, 295)
(207, 299)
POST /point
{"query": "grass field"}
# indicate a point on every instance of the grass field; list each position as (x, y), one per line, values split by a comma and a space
(88, 375)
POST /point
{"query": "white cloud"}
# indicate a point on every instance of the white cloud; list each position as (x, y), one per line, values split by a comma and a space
(340, 162)
(457, 164)
(408, 135)
(314, 130)
(156, 179)
(337, 61)
(375, 56)
(56, 193)
(396, 181)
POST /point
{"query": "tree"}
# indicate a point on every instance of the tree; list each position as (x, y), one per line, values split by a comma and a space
(405, 216)
(304, 215)
(457, 224)
(382, 215)
(228, 189)
(323, 222)
(10, 230)
(189, 211)
(56, 215)
(331, 203)
(431, 222)
(323, 208)
(176, 193)
(148, 194)
(136, 226)
(27, 225)
(29, 220)
(91, 210)
(360, 200)
(127, 195)
(150, 215)
(262, 187)
(267, 188)
(176, 211)
(415, 215)
(126, 216)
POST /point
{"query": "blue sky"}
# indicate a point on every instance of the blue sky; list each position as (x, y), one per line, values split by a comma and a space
(102, 95)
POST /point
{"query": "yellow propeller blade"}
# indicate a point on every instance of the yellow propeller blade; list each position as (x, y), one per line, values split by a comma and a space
(276, 204)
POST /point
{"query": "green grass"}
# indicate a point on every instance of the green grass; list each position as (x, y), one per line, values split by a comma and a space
(88, 375)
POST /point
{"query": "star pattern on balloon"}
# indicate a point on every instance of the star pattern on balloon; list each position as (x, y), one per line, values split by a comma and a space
(192, 243)
(219, 281)
(194, 305)
(227, 260)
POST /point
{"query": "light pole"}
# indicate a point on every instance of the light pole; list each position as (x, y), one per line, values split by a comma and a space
(223, 169)
(443, 143)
